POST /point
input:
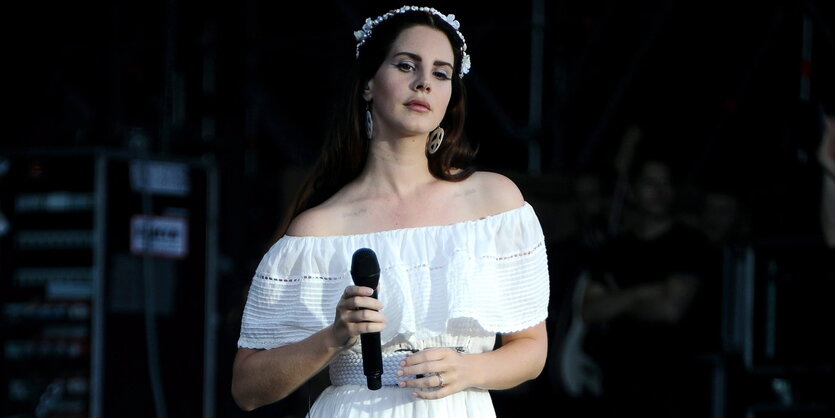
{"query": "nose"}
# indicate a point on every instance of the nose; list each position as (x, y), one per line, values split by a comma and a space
(423, 84)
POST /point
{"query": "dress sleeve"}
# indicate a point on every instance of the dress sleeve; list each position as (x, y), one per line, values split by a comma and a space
(511, 288)
(483, 276)
(285, 305)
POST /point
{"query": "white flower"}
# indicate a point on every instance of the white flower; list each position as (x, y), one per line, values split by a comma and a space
(450, 18)
(363, 34)
(465, 64)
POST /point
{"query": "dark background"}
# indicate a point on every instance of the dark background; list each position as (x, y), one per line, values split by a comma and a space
(715, 86)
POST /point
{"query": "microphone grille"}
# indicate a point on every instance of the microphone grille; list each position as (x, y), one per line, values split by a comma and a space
(364, 263)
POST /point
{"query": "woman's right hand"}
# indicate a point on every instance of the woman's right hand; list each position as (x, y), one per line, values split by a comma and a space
(261, 377)
(356, 313)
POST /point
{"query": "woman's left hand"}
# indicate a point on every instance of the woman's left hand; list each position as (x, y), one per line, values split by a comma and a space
(443, 369)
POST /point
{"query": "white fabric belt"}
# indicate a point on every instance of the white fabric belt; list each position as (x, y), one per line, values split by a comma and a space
(347, 369)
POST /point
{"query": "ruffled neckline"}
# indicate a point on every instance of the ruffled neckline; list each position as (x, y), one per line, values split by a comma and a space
(427, 228)
(473, 278)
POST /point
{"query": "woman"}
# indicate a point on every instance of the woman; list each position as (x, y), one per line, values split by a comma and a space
(461, 254)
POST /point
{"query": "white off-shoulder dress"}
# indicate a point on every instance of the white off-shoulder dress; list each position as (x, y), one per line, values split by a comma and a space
(441, 286)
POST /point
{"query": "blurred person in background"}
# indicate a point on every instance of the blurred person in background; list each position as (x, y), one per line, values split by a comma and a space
(649, 304)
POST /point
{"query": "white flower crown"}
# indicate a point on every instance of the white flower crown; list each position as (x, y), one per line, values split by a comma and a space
(363, 34)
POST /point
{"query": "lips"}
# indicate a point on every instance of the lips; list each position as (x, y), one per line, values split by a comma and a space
(418, 105)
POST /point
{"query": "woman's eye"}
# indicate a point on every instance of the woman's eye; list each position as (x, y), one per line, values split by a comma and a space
(442, 75)
(405, 66)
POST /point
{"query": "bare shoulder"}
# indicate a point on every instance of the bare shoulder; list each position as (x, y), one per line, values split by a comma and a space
(335, 216)
(318, 221)
(498, 193)
(309, 222)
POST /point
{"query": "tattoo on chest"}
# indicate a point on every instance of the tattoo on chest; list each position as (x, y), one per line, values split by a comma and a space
(355, 213)
(466, 192)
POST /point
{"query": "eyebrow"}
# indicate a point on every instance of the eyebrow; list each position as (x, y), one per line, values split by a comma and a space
(417, 58)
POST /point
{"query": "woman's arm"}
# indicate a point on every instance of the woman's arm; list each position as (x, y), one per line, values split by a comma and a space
(520, 358)
(522, 354)
(261, 377)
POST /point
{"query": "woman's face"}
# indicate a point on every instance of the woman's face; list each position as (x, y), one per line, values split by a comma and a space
(412, 88)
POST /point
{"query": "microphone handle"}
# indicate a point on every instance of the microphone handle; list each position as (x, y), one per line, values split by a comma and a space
(372, 359)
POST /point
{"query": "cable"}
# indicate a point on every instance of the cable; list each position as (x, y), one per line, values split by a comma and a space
(150, 322)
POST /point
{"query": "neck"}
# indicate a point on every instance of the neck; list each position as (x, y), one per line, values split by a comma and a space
(397, 167)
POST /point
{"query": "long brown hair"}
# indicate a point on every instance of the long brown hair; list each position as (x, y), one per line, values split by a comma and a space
(345, 149)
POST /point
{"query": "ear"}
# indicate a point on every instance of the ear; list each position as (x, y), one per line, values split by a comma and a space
(366, 92)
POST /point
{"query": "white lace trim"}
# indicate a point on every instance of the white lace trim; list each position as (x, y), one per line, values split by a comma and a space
(470, 278)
